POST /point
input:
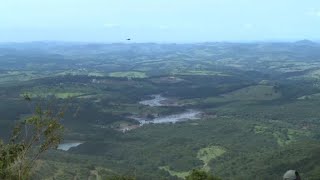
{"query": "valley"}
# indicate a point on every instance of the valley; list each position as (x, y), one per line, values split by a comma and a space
(158, 111)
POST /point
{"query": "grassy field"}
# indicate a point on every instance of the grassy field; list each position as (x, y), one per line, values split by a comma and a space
(205, 155)
(62, 171)
(200, 73)
(19, 76)
(258, 92)
(59, 95)
(283, 136)
(209, 153)
(60, 92)
(181, 175)
(128, 74)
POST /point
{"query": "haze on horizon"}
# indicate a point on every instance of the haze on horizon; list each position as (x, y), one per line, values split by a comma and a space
(159, 20)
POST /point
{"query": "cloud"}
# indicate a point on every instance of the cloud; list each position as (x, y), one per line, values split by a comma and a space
(110, 25)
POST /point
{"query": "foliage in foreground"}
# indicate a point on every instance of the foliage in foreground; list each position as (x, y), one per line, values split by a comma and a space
(201, 175)
(31, 138)
(122, 178)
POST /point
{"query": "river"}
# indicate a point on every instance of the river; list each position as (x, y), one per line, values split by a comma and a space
(185, 116)
(67, 146)
(159, 101)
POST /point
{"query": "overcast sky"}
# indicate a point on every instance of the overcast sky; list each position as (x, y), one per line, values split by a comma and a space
(159, 20)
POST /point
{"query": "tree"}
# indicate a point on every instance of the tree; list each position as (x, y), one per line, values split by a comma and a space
(30, 138)
(200, 175)
(122, 178)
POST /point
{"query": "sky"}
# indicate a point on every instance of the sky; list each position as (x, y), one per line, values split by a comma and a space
(159, 20)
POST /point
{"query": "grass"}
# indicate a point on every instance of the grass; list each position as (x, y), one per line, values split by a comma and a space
(67, 95)
(209, 153)
(60, 95)
(199, 101)
(81, 72)
(260, 129)
(134, 109)
(282, 136)
(14, 76)
(60, 92)
(314, 74)
(200, 73)
(62, 170)
(205, 155)
(97, 74)
(182, 174)
(310, 97)
(128, 74)
(258, 92)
